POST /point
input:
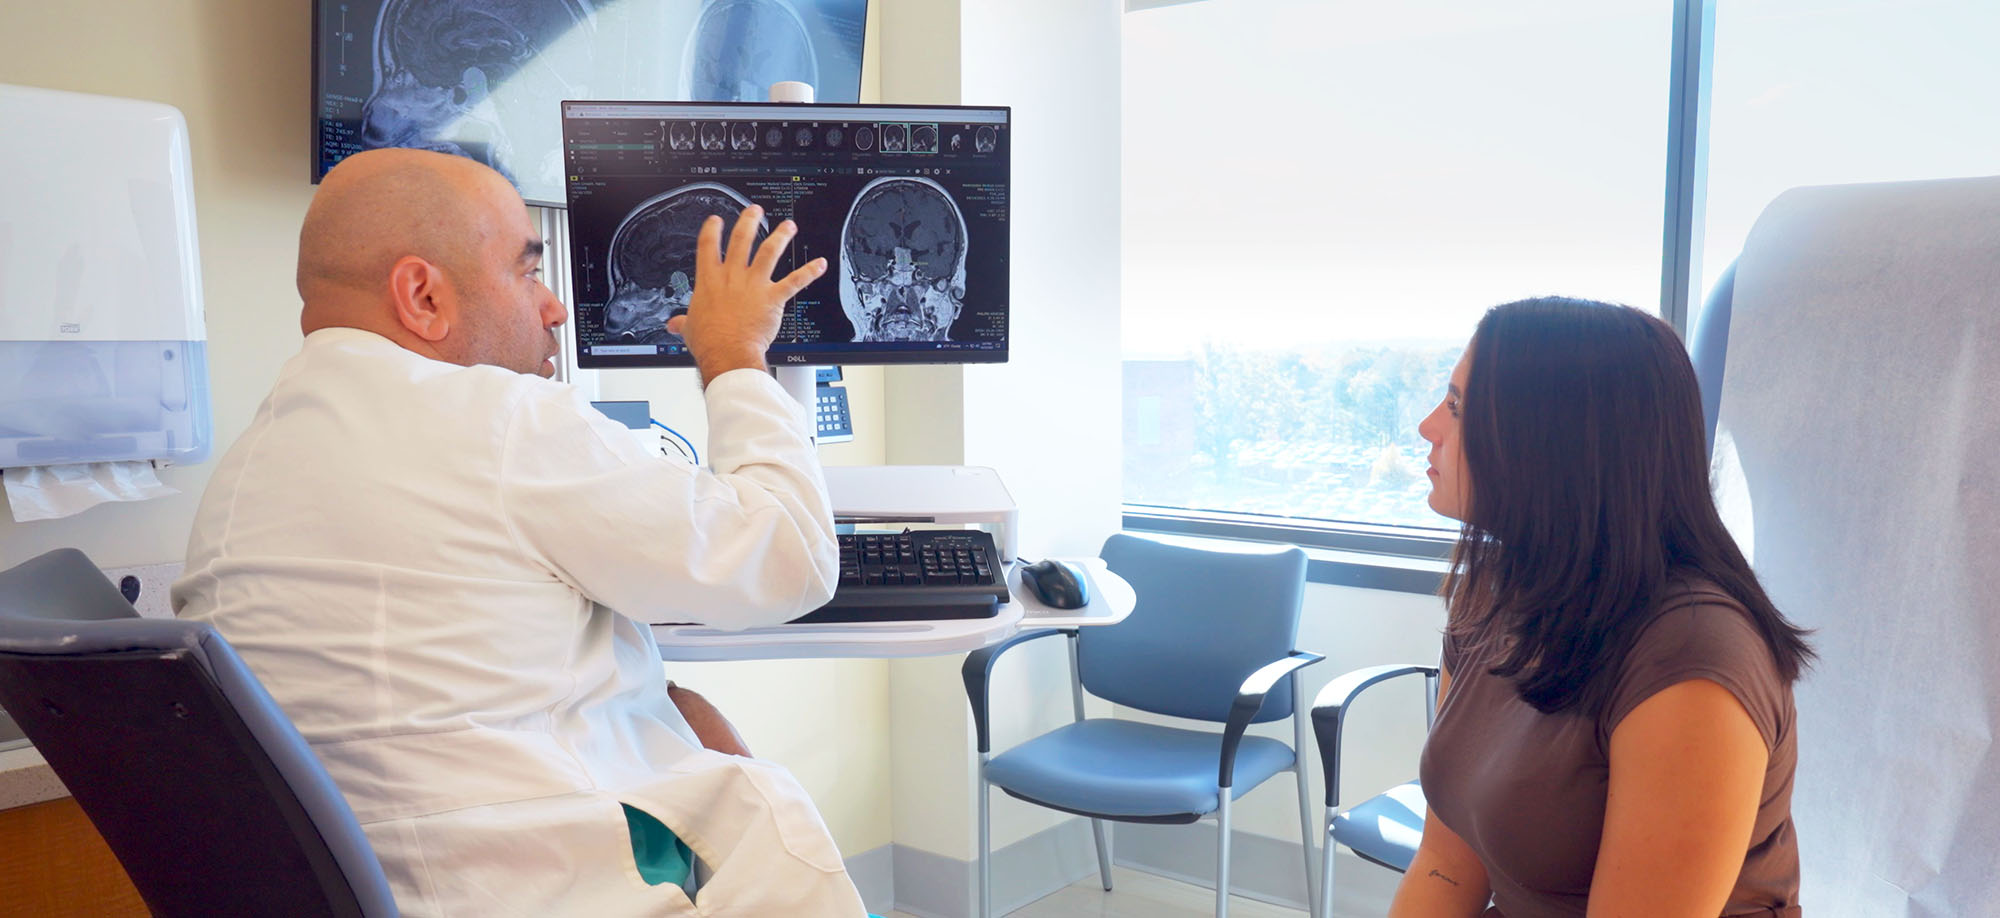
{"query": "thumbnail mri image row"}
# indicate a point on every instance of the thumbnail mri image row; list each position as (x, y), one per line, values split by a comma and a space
(743, 136)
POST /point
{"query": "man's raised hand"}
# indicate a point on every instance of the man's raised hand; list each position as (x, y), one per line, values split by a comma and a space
(736, 308)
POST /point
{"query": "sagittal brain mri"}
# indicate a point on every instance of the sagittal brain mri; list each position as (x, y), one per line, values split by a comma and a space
(895, 138)
(902, 261)
(652, 258)
(923, 138)
(740, 47)
(743, 136)
(985, 140)
(711, 137)
(956, 142)
(680, 135)
(436, 61)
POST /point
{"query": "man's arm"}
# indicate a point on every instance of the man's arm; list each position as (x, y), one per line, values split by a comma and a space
(714, 730)
(746, 541)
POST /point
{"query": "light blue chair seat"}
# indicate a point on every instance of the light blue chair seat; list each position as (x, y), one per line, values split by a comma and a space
(1210, 639)
(1130, 770)
(1385, 828)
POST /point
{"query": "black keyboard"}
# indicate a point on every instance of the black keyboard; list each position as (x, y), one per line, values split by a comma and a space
(921, 575)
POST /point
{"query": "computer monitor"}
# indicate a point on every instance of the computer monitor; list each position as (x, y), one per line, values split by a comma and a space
(483, 78)
(908, 204)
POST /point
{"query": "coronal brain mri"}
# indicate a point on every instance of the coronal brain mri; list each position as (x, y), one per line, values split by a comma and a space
(902, 261)
(652, 258)
(740, 47)
(711, 136)
(893, 137)
(437, 61)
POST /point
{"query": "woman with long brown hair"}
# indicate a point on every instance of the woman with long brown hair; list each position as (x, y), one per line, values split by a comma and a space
(1615, 734)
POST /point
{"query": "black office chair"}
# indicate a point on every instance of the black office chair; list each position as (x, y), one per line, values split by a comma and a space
(1384, 829)
(199, 784)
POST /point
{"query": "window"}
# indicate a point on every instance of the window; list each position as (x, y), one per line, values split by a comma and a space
(1816, 92)
(1321, 198)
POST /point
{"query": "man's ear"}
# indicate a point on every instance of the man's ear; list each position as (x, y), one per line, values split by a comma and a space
(423, 297)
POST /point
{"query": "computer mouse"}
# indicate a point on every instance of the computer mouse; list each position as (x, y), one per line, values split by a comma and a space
(1058, 584)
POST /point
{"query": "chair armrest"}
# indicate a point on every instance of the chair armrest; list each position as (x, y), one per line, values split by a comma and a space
(1250, 700)
(1329, 714)
(978, 670)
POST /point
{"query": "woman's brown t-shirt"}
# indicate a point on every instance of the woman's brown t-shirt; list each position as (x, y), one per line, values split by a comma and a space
(1526, 790)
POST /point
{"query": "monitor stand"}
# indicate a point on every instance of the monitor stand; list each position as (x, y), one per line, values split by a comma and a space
(802, 383)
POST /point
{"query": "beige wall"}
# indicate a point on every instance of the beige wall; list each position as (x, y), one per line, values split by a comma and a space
(239, 72)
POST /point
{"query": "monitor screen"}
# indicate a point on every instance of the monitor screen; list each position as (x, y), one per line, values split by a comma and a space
(483, 78)
(907, 204)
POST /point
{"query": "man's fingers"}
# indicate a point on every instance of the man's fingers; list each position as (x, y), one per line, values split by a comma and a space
(708, 245)
(746, 232)
(803, 277)
(774, 246)
(675, 324)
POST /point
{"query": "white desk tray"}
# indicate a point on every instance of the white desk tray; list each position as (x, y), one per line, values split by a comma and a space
(1111, 599)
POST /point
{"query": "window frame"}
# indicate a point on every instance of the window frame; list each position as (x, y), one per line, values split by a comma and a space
(1409, 560)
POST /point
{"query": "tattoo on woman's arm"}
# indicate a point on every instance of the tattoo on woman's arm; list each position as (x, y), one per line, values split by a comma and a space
(1443, 877)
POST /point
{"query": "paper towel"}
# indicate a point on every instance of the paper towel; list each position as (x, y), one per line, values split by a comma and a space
(48, 492)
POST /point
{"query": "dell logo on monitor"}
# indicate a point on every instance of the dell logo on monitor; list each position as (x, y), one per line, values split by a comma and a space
(795, 358)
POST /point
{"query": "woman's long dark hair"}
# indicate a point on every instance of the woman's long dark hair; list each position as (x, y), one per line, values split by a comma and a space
(1589, 494)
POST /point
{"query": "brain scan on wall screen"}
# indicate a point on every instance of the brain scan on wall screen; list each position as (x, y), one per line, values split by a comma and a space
(480, 78)
(902, 261)
(652, 258)
(740, 47)
(438, 61)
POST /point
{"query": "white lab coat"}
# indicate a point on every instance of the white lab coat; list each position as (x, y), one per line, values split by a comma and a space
(421, 562)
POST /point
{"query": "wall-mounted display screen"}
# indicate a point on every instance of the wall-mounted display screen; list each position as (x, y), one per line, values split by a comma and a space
(485, 78)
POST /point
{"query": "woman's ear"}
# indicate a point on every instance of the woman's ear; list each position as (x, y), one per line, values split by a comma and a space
(425, 302)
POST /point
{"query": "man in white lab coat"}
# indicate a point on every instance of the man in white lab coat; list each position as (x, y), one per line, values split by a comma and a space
(442, 564)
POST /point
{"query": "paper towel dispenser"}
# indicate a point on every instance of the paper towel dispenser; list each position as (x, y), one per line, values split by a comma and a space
(102, 345)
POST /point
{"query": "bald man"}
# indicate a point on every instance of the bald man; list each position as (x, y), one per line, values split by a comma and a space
(442, 565)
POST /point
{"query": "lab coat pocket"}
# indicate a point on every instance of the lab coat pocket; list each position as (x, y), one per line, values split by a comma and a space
(756, 829)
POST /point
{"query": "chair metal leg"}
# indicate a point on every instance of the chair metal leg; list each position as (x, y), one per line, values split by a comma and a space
(1305, 793)
(1076, 703)
(1326, 868)
(1222, 858)
(1103, 852)
(985, 841)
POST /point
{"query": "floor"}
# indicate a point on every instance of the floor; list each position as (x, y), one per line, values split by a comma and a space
(1138, 895)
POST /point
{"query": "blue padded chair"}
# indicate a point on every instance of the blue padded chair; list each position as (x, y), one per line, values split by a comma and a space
(1211, 639)
(1386, 828)
(199, 784)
